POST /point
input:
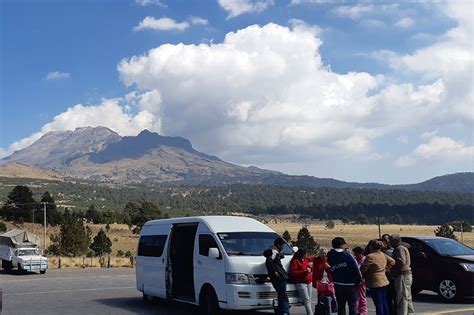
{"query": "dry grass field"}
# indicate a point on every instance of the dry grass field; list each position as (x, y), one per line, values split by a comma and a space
(357, 235)
(123, 239)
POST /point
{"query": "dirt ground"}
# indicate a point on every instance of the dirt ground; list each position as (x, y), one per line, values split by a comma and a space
(356, 235)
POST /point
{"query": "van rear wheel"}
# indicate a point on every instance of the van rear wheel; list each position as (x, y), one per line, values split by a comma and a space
(148, 299)
(208, 303)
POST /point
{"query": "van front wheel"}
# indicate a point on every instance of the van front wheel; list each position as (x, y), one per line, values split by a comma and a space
(208, 303)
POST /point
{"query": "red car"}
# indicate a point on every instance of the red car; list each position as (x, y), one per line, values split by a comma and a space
(441, 265)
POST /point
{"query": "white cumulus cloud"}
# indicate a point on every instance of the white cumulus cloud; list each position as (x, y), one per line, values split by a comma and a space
(161, 24)
(57, 75)
(265, 89)
(196, 20)
(353, 12)
(150, 2)
(405, 22)
(438, 148)
(110, 113)
(237, 7)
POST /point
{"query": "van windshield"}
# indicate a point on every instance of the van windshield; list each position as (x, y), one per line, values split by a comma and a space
(447, 247)
(28, 252)
(250, 243)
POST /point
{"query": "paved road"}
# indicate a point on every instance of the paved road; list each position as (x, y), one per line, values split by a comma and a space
(112, 291)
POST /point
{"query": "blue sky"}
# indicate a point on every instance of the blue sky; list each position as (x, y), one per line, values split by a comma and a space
(57, 54)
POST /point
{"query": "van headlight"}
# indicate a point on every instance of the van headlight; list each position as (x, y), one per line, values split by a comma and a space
(239, 278)
(468, 267)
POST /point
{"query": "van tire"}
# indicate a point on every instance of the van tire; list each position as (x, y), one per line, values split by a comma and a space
(7, 265)
(42, 272)
(20, 269)
(208, 303)
(448, 290)
(148, 299)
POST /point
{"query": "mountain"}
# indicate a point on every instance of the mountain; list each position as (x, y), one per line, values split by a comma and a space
(100, 154)
(18, 170)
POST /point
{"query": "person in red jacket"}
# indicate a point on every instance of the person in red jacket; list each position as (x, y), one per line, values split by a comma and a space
(301, 275)
(322, 275)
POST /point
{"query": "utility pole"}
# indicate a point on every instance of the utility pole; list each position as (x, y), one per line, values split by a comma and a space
(44, 217)
(380, 232)
(462, 232)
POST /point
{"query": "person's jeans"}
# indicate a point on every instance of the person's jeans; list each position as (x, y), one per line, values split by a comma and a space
(305, 291)
(346, 294)
(379, 296)
(403, 290)
(283, 303)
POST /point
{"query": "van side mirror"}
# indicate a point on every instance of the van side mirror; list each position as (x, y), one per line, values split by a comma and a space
(295, 248)
(213, 253)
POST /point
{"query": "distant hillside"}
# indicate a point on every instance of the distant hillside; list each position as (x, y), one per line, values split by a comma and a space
(99, 154)
(462, 182)
(18, 170)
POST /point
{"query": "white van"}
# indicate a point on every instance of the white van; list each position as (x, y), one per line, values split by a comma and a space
(215, 262)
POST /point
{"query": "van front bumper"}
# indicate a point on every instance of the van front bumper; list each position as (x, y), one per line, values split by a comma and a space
(258, 296)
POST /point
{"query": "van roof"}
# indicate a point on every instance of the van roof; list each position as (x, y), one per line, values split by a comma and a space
(219, 223)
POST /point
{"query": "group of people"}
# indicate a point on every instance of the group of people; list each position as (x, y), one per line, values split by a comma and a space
(382, 269)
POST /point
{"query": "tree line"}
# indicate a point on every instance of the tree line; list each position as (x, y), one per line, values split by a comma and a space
(349, 205)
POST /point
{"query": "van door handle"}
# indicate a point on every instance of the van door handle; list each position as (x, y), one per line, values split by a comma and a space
(199, 262)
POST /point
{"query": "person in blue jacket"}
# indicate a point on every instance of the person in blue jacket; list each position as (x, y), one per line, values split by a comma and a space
(346, 275)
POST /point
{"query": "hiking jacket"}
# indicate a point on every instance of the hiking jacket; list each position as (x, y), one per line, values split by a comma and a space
(273, 262)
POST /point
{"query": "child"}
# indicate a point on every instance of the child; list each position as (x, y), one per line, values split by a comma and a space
(361, 289)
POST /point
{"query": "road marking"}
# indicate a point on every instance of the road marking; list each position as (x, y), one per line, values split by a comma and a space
(65, 278)
(452, 311)
(67, 291)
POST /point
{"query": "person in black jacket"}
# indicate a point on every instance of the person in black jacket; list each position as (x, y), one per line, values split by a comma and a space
(346, 276)
(278, 275)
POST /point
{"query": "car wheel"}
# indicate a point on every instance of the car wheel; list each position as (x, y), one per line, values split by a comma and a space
(42, 272)
(20, 269)
(208, 303)
(447, 290)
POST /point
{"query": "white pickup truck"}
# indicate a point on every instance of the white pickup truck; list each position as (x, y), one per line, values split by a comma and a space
(18, 249)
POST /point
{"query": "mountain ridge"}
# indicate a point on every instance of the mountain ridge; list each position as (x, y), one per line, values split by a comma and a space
(100, 154)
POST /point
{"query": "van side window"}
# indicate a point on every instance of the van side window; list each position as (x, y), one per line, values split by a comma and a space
(206, 242)
(151, 245)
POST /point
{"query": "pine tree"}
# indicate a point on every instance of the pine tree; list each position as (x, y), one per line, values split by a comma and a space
(73, 239)
(445, 231)
(101, 244)
(53, 216)
(306, 241)
(286, 236)
(330, 224)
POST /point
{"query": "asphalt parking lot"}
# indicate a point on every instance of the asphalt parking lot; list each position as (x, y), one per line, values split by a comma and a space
(112, 291)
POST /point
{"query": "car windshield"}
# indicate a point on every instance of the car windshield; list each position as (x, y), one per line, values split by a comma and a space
(448, 247)
(27, 252)
(250, 243)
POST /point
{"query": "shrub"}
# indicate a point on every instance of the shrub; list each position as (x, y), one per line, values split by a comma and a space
(120, 253)
(3, 227)
(286, 236)
(330, 224)
(128, 254)
(445, 231)
(306, 241)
